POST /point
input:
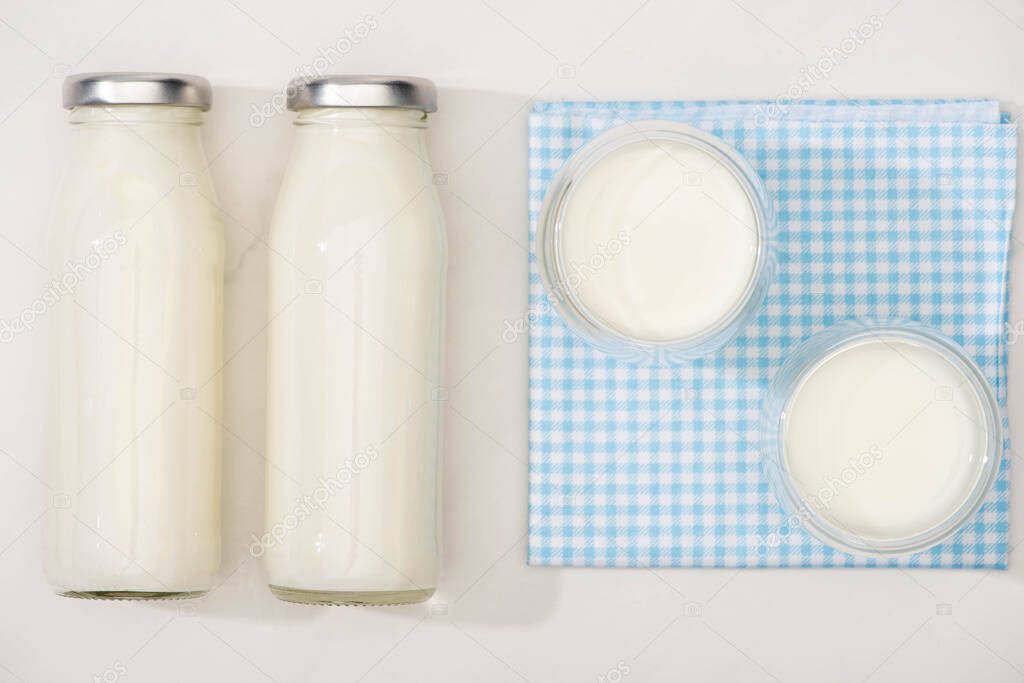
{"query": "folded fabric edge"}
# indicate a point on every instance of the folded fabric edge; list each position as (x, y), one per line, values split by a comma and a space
(1000, 565)
(763, 111)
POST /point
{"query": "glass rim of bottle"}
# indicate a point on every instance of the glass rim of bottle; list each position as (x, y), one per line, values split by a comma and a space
(810, 356)
(554, 273)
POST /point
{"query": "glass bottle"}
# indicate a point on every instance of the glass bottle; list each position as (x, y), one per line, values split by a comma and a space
(137, 252)
(356, 310)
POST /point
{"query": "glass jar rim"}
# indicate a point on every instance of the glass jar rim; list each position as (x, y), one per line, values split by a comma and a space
(811, 355)
(120, 114)
(380, 117)
(553, 271)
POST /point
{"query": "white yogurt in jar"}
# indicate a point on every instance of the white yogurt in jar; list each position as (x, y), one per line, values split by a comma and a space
(885, 438)
(659, 240)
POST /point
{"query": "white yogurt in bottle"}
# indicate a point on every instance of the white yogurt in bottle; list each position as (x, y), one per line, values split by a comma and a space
(652, 241)
(138, 244)
(889, 438)
(356, 293)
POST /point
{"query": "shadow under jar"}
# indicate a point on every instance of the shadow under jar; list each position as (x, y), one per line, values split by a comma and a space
(137, 247)
(354, 358)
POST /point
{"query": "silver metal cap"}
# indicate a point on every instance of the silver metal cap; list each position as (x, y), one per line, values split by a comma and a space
(181, 90)
(401, 92)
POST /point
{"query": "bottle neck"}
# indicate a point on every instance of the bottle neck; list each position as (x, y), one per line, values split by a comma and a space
(140, 139)
(120, 114)
(335, 135)
(354, 117)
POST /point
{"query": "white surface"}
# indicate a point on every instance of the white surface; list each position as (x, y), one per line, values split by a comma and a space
(494, 618)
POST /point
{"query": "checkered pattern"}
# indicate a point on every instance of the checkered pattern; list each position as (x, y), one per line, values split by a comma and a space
(885, 208)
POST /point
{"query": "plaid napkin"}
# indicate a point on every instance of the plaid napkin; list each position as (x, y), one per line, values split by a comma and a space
(885, 208)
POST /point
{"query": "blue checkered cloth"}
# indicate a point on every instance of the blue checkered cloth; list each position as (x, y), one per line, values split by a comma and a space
(885, 208)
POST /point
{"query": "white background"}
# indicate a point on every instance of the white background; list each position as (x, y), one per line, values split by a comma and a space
(493, 618)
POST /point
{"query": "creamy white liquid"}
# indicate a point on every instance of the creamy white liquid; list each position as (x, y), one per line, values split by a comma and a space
(353, 369)
(885, 438)
(134, 465)
(662, 239)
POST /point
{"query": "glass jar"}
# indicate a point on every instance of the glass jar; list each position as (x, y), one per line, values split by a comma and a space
(137, 251)
(356, 299)
(653, 242)
(881, 438)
